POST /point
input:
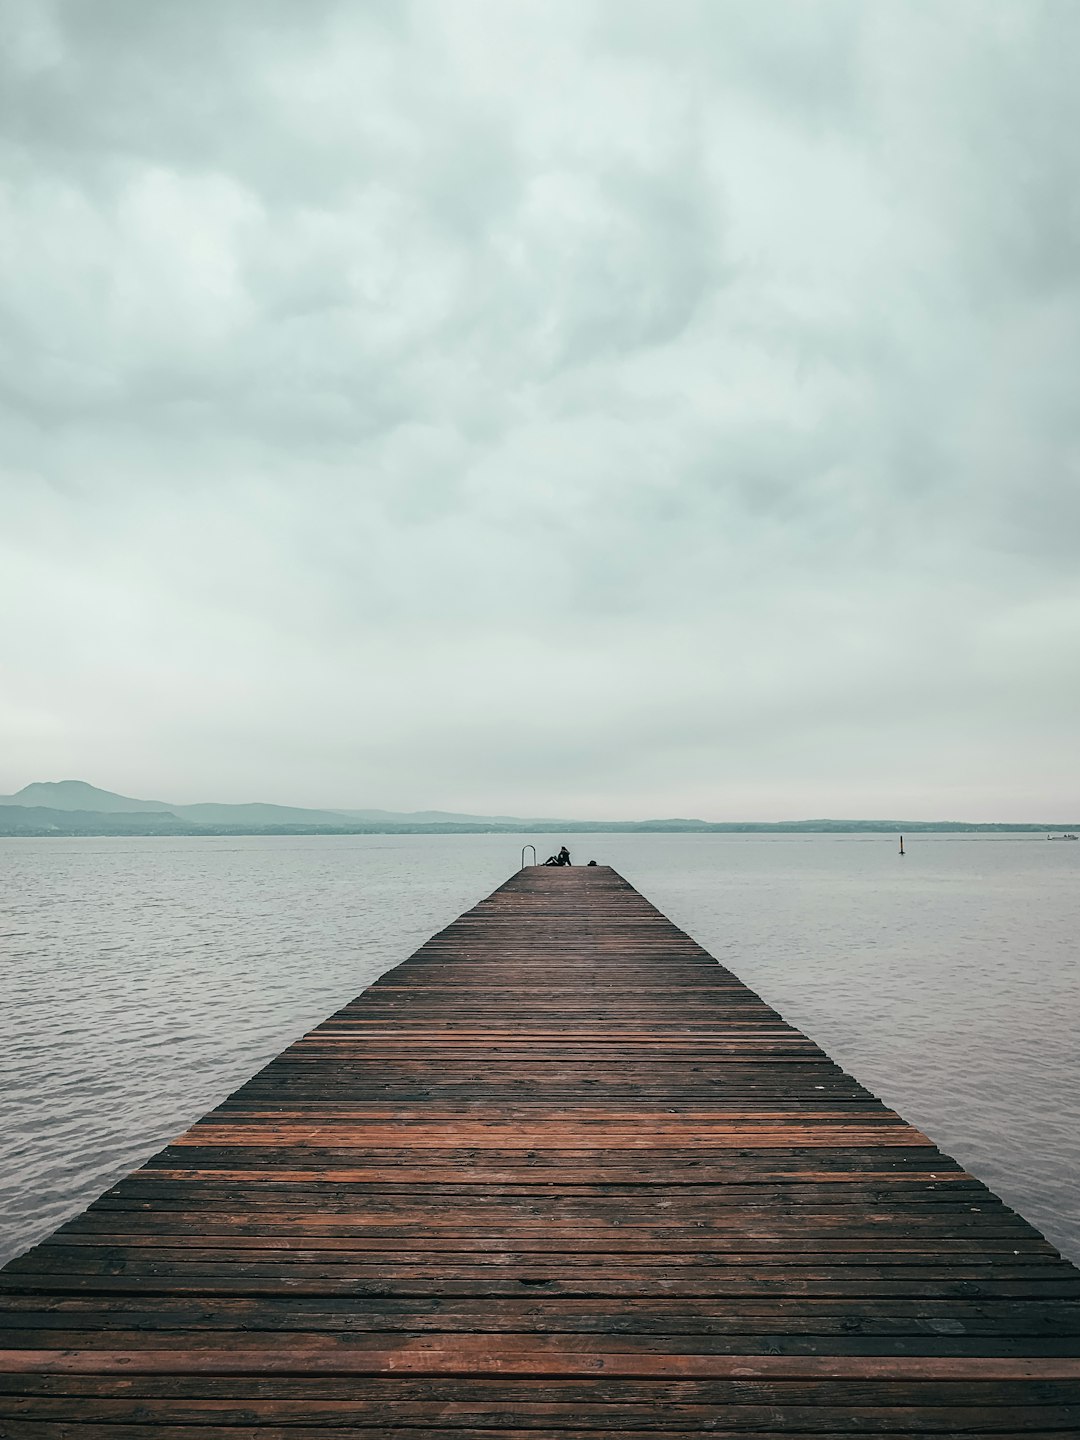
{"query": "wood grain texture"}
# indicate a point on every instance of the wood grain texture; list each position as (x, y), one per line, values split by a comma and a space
(559, 1174)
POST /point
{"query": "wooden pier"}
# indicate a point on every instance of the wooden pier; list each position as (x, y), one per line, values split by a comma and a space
(560, 1174)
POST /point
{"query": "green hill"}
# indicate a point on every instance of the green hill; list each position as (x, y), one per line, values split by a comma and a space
(72, 807)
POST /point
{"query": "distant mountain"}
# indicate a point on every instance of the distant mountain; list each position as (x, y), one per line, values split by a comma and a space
(72, 807)
(74, 795)
(78, 795)
(257, 815)
(41, 820)
(442, 817)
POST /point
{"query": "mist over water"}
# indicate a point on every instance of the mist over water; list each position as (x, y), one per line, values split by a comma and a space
(144, 979)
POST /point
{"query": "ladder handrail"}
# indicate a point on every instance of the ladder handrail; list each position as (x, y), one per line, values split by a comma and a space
(529, 846)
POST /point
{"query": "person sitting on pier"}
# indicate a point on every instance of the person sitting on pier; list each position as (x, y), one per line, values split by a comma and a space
(562, 858)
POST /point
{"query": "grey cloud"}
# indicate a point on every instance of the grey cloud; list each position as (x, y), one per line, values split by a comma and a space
(580, 408)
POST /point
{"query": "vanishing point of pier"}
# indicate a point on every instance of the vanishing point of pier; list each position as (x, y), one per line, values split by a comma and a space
(560, 1174)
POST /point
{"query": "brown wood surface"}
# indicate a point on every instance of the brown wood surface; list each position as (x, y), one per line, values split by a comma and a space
(560, 1174)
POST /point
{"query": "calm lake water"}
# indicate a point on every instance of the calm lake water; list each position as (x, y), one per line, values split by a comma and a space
(144, 979)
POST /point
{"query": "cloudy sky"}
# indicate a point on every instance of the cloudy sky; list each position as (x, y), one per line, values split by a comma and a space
(601, 409)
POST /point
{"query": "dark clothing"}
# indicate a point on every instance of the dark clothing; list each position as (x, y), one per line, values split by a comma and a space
(562, 858)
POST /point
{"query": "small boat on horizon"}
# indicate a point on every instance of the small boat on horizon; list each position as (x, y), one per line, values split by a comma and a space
(1068, 835)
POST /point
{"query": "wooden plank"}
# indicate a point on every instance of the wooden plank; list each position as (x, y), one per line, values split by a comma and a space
(530, 1356)
(558, 1174)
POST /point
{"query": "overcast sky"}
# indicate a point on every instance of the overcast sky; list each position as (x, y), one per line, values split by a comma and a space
(616, 409)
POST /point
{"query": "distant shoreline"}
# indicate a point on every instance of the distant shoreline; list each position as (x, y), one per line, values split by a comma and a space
(142, 826)
(74, 807)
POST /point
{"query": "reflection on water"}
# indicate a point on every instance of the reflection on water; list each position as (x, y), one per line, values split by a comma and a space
(144, 979)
